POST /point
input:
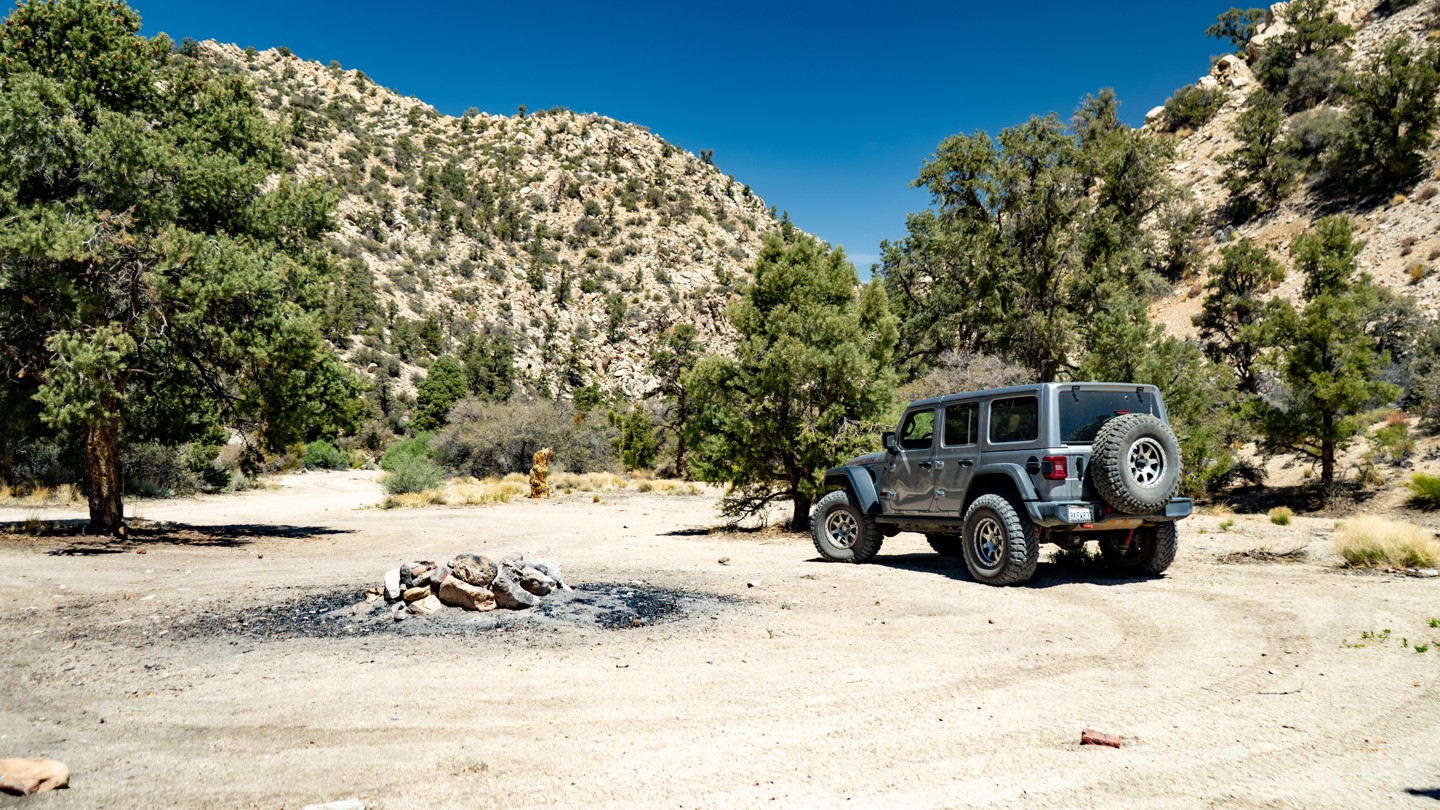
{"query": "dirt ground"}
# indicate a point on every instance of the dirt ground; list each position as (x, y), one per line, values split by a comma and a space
(901, 683)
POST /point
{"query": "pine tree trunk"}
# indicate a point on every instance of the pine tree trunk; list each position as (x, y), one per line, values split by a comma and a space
(800, 518)
(1327, 451)
(102, 478)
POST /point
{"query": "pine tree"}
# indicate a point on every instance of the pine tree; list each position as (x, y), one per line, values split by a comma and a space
(1264, 168)
(1328, 360)
(1234, 324)
(1237, 26)
(675, 353)
(814, 351)
(1391, 119)
(443, 386)
(149, 287)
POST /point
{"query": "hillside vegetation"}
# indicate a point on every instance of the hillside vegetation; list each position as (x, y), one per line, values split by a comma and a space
(1263, 250)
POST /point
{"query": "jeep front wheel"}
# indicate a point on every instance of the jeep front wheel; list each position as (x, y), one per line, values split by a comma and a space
(1002, 546)
(842, 532)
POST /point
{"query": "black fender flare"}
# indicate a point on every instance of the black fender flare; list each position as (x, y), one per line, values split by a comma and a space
(856, 481)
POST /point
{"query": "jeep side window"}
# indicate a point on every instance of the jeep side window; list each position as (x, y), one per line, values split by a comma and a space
(962, 422)
(918, 433)
(1015, 420)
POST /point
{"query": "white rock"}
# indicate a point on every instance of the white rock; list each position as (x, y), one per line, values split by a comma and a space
(392, 585)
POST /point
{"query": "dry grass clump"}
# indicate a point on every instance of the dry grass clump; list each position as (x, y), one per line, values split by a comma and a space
(1281, 515)
(471, 492)
(40, 494)
(1375, 542)
(585, 482)
(665, 486)
(414, 500)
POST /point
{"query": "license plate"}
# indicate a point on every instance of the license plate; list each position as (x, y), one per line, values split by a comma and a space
(1079, 514)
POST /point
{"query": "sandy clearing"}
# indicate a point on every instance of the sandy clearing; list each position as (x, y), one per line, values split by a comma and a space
(899, 683)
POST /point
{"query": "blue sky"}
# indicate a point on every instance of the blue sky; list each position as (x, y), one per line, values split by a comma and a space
(827, 110)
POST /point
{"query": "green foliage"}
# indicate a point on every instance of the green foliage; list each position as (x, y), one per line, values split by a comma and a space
(1234, 327)
(1424, 492)
(1312, 29)
(444, 385)
(1424, 371)
(490, 366)
(1192, 107)
(588, 398)
(1032, 234)
(323, 455)
(148, 282)
(1391, 119)
(495, 438)
(415, 474)
(1237, 26)
(1263, 169)
(1391, 444)
(638, 443)
(814, 351)
(671, 359)
(1316, 79)
(1328, 360)
(405, 451)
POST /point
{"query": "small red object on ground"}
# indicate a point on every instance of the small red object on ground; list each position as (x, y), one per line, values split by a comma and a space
(1093, 737)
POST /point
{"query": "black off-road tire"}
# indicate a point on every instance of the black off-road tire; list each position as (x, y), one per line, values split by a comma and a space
(950, 545)
(1135, 463)
(1150, 552)
(1001, 544)
(842, 532)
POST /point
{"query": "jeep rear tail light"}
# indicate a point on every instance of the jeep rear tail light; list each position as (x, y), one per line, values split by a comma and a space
(1055, 468)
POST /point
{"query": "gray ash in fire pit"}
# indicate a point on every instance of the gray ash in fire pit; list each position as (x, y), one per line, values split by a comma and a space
(345, 613)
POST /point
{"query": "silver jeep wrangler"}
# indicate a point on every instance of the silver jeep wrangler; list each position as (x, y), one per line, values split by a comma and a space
(991, 475)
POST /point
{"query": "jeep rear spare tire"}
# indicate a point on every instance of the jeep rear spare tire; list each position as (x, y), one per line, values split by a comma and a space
(842, 532)
(1135, 463)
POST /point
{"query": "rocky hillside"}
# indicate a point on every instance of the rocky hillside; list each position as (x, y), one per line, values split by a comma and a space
(1401, 231)
(580, 237)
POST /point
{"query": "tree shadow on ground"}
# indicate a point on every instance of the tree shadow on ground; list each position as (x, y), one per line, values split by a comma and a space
(1047, 574)
(72, 537)
(1342, 496)
(1426, 793)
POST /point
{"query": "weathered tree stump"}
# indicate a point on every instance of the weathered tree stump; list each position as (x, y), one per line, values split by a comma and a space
(540, 473)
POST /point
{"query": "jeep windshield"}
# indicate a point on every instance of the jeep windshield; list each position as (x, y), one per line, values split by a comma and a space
(1083, 412)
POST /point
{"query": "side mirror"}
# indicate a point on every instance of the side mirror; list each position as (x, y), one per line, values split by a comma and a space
(888, 439)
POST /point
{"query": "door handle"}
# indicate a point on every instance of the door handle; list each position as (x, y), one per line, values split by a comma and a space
(926, 465)
(965, 462)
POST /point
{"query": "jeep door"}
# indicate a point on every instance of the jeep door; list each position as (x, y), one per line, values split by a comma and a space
(957, 454)
(909, 474)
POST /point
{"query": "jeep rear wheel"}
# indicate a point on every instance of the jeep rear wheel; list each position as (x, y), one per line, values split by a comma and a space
(842, 532)
(1002, 546)
(1135, 463)
(1148, 550)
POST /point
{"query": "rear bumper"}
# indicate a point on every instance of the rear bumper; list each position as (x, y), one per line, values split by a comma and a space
(1072, 514)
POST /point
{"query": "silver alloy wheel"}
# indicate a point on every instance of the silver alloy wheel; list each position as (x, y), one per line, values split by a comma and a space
(1147, 462)
(989, 542)
(842, 528)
